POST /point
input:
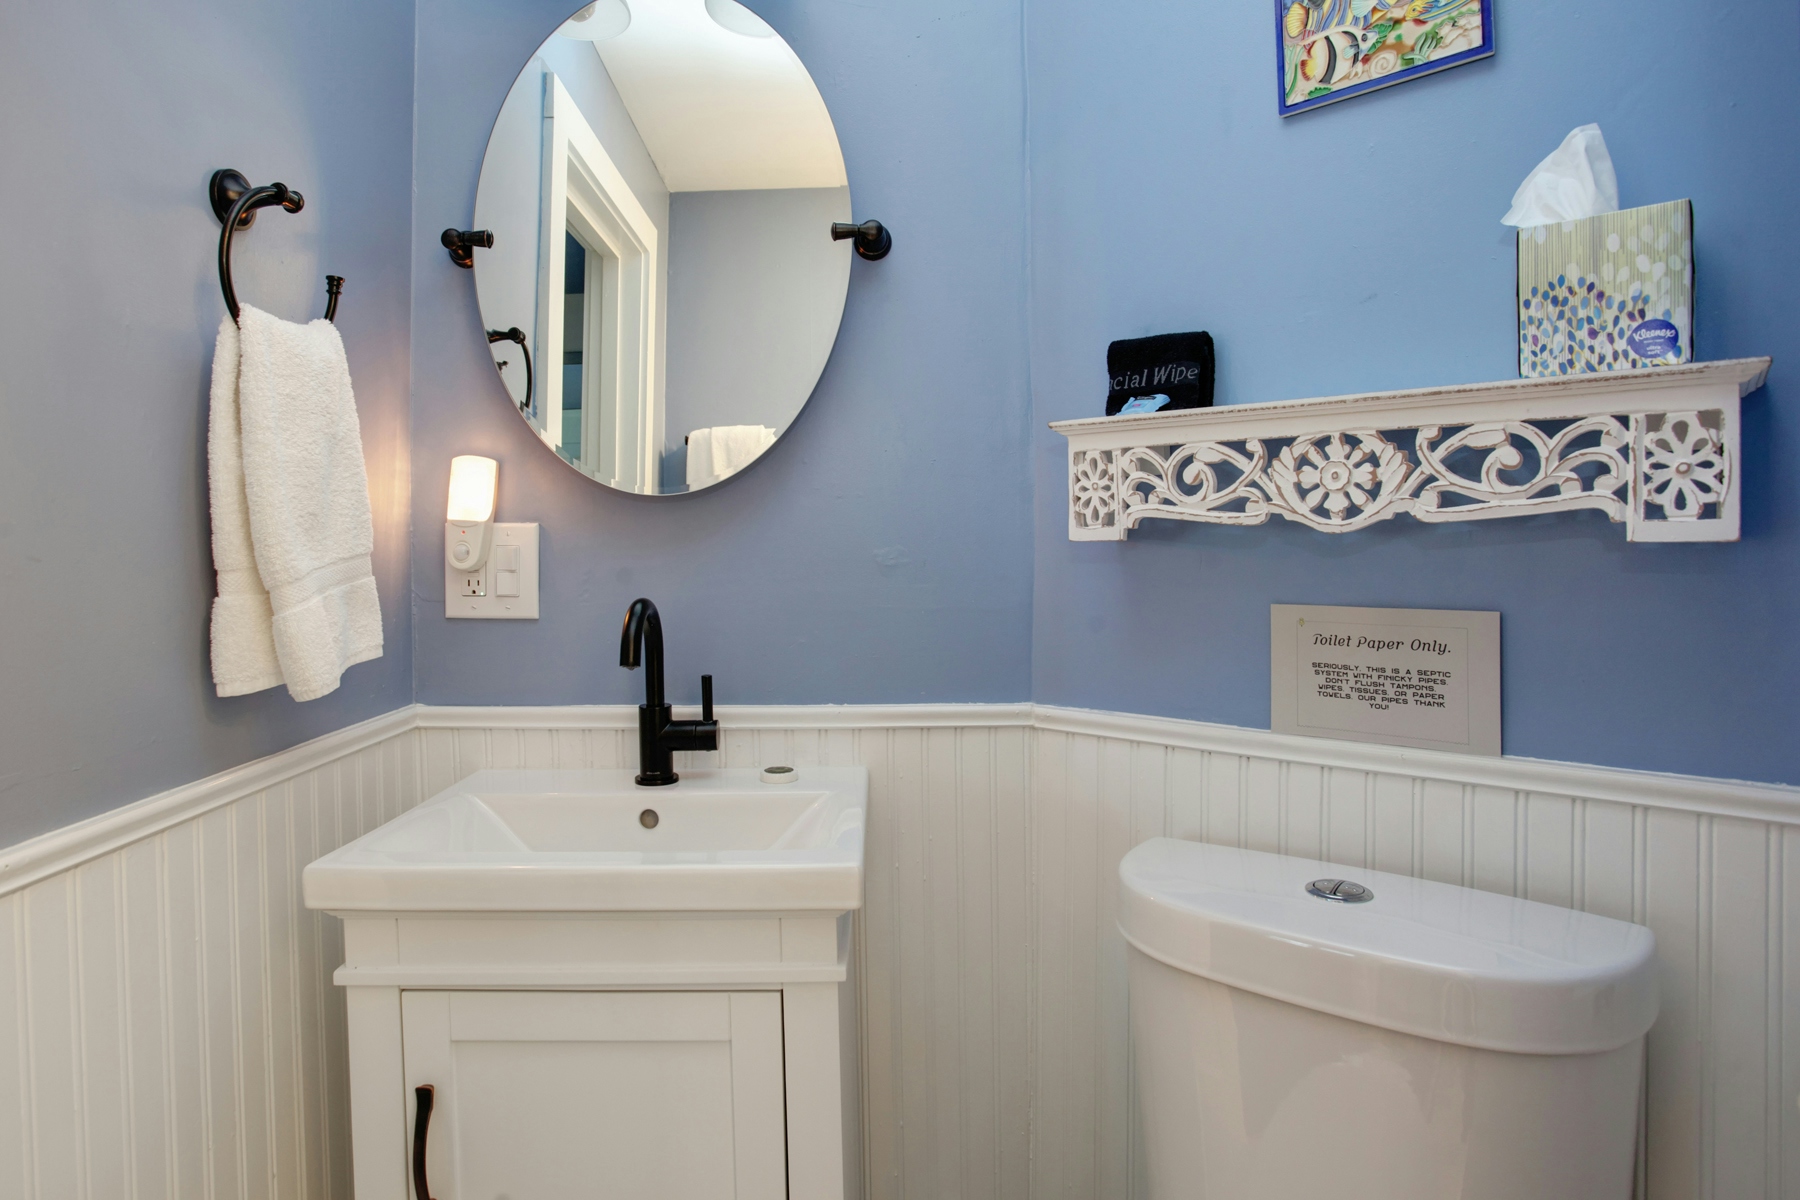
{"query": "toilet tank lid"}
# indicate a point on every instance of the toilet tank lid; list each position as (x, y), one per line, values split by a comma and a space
(1430, 959)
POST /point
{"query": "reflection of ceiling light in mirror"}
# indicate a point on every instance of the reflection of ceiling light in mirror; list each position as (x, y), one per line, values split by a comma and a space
(735, 17)
(598, 21)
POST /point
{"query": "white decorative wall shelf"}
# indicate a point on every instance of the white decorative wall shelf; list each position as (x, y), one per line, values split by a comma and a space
(1656, 449)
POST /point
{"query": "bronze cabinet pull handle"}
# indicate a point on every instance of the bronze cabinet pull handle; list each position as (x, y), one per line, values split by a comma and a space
(421, 1127)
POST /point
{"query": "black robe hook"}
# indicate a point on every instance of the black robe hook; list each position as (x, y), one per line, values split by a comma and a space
(235, 203)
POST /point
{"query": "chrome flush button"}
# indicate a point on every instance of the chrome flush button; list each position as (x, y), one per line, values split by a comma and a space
(1341, 890)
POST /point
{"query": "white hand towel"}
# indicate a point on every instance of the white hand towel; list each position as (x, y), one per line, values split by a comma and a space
(243, 631)
(699, 459)
(720, 451)
(737, 446)
(306, 497)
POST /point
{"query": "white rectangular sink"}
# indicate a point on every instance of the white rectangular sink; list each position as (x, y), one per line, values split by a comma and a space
(594, 841)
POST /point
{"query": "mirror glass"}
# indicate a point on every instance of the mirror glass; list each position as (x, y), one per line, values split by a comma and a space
(663, 289)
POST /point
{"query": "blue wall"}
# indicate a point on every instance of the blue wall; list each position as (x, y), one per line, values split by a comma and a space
(1358, 247)
(1057, 175)
(117, 115)
(882, 550)
(751, 320)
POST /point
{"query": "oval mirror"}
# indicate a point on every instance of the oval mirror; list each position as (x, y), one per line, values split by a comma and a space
(663, 289)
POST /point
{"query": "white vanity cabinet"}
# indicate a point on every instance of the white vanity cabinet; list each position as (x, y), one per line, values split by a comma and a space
(676, 1095)
(612, 992)
(566, 1061)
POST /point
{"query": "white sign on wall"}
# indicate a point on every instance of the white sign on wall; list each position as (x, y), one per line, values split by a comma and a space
(1401, 676)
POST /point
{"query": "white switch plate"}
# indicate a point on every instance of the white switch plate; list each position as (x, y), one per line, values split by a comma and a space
(477, 594)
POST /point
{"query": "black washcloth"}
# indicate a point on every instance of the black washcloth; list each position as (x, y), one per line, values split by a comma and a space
(1176, 365)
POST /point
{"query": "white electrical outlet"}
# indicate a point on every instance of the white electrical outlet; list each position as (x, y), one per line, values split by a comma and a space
(506, 588)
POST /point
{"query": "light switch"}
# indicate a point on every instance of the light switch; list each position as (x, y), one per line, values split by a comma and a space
(506, 571)
(505, 588)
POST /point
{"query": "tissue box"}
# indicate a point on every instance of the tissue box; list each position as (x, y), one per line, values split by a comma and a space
(1607, 293)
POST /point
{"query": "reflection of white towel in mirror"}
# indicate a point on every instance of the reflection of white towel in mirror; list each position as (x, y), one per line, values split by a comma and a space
(724, 450)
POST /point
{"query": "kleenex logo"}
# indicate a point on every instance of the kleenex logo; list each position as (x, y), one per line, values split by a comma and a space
(1655, 340)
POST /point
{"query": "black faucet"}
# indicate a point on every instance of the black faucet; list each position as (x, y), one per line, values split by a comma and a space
(659, 736)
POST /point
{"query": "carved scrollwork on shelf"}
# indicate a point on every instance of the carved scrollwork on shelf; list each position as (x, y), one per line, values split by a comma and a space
(1455, 454)
(1093, 490)
(1206, 480)
(1338, 485)
(1340, 482)
(1510, 468)
(1686, 469)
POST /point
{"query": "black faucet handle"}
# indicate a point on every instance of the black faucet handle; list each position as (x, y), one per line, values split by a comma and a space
(706, 698)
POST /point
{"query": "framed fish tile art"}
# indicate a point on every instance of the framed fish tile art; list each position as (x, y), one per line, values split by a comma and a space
(1330, 50)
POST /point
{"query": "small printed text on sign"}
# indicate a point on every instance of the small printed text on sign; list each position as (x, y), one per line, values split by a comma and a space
(1381, 687)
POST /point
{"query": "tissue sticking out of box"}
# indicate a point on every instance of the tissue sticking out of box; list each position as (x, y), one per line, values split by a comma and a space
(1576, 181)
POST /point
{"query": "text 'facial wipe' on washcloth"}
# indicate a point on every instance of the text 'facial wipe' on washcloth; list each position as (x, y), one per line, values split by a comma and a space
(1576, 181)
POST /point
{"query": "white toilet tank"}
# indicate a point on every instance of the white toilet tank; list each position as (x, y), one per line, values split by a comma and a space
(1416, 1041)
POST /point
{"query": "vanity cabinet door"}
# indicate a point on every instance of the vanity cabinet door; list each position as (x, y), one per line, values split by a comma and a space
(599, 1095)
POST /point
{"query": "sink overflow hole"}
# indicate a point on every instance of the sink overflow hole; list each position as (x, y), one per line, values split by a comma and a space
(648, 818)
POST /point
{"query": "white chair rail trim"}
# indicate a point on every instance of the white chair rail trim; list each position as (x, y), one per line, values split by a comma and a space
(1653, 789)
(733, 716)
(63, 849)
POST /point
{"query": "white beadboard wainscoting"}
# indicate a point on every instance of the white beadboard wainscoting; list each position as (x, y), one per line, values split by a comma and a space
(168, 1024)
(1713, 867)
(168, 1027)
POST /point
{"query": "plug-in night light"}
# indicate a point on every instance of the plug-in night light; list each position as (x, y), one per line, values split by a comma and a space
(469, 513)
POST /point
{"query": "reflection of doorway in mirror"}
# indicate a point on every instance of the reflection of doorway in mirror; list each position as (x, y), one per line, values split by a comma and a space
(586, 423)
(574, 301)
(601, 258)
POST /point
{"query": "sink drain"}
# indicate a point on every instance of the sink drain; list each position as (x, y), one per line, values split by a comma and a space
(648, 818)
